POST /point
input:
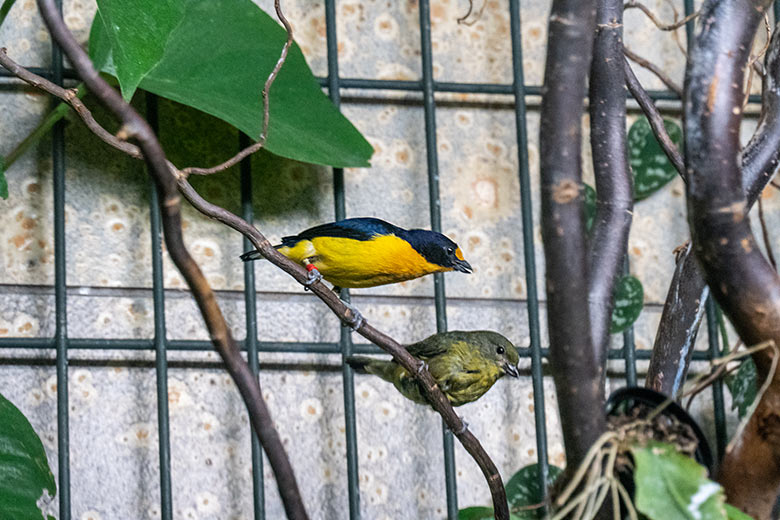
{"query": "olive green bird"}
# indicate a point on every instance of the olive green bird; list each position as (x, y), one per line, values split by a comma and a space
(464, 364)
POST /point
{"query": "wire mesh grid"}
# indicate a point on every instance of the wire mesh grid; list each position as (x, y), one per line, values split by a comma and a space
(428, 87)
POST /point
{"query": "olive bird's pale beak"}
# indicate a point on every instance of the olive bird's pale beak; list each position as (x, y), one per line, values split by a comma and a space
(462, 266)
(511, 370)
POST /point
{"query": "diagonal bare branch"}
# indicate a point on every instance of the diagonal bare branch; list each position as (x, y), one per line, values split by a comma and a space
(133, 125)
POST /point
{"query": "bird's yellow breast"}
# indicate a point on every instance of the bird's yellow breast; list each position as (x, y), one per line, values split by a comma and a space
(362, 263)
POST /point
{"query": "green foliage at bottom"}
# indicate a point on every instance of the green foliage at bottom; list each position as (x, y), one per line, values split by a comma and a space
(25, 476)
(671, 485)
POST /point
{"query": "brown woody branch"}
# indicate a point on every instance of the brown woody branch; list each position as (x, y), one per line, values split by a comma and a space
(614, 182)
(573, 357)
(655, 69)
(684, 306)
(633, 4)
(136, 127)
(654, 118)
(740, 278)
(399, 353)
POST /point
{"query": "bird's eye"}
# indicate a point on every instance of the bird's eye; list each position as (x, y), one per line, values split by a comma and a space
(500, 350)
(450, 250)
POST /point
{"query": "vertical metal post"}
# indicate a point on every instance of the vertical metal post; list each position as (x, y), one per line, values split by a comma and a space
(161, 361)
(250, 307)
(717, 386)
(60, 295)
(345, 342)
(435, 210)
(537, 378)
(629, 348)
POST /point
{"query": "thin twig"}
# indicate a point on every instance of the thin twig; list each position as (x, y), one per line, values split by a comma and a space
(428, 384)
(249, 150)
(655, 69)
(633, 4)
(133, 125)
(656, 121)
(462, 19)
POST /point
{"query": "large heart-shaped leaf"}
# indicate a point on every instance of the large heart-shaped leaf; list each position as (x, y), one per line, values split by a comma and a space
(25, 477)
(215, 56)
(629, 300)
(524, 494)
(671, 485)
(652, 169)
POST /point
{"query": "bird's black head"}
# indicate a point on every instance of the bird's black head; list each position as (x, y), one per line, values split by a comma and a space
(438, 249)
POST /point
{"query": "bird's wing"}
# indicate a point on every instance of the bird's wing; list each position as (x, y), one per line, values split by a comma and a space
(355, 228)
(429, 347)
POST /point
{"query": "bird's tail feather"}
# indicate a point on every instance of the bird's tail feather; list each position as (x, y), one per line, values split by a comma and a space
(256, 255)
(367, 365)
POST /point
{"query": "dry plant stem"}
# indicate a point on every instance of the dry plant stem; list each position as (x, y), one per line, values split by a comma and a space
(614, 182)
(463, 20)
(138, 128)
(654, 118)
(684, 306)
(652, 67)
(573, 357)
(249, 150)
(649, 13)
(331, 299)
(741, 280)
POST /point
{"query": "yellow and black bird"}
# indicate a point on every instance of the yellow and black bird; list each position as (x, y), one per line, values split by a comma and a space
(464, 364)
(366, 252)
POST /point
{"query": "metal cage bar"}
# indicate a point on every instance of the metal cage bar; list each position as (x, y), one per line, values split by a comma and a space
(250, 309)
(60, 294)
(161, 361)
(345, 340)
(427, 86)
(529, 256)
(440, 296)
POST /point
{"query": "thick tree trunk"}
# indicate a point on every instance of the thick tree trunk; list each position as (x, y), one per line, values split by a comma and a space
(742, 281)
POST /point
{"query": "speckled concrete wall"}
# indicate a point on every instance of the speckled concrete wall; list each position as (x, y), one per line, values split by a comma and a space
(112, 401)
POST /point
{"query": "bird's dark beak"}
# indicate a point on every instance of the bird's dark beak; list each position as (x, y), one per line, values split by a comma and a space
(511, 370)
(462, 266)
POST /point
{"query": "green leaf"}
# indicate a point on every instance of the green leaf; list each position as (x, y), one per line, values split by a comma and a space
(732, 513)
(523, 491)
(24, 471)
(671, 485)
(743, 386)
(7, 5)
(590, 206)
(3, 182)
(476, 513)
(652, 169)
(215, 56)
(138, 36)
(629, 299)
